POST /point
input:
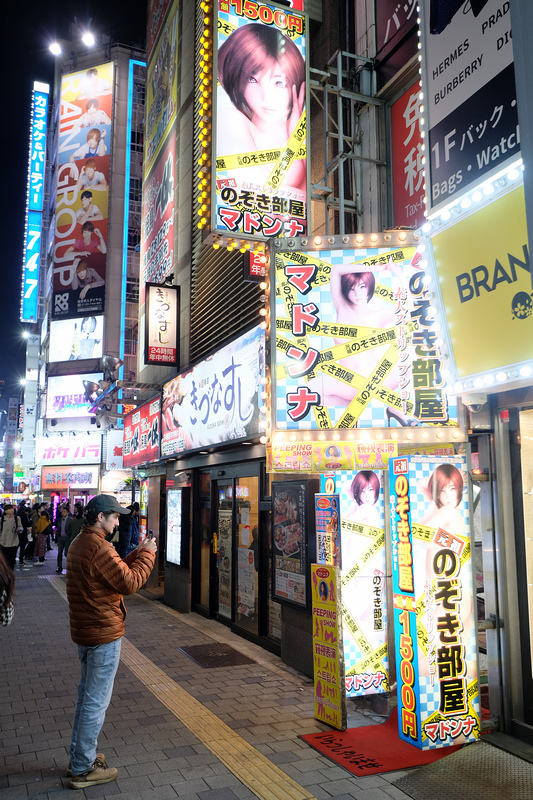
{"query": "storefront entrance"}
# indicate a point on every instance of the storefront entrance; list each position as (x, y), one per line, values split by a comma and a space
(232, 551)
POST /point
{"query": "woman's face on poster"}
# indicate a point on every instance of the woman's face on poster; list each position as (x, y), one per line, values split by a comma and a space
(267, 94)
(448, 496)
(367, 496)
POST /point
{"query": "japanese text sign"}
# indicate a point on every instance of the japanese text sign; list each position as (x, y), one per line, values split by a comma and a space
(304, 456)
(469, 86)
(363, 585)
(157, 240)
(39, 126)
(328, 530)
(74, 477)
(162, 325)
(80, 449)
(65, 395)
(218, 400)
(330, 700)
(260, 164)
(407, 160)
(356, 342)
(141, 434)
(435, 635)
(115, 448)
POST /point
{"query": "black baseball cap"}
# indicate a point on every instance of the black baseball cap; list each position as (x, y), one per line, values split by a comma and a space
(105, 503)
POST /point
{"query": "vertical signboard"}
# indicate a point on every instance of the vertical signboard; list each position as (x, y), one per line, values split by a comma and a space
(330, 700)
(83, 169)
(260, 164)
(434, 624)
(468, 81)
(328, 529)
(407, 160)
(162, 325)
(141, 434)
(11, 435)
(35, 200)
(356, 340)
(290, 571)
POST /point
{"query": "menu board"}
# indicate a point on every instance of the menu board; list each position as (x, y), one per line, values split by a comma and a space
(289, 545)
(174, 525)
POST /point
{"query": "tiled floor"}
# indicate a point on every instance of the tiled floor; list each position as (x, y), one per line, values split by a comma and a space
(173, 729)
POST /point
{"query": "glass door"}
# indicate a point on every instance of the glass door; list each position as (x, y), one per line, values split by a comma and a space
(224, 531)
(248, 557)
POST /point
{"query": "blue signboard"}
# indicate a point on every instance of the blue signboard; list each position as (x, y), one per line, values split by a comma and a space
(38, 149)
(30, 278)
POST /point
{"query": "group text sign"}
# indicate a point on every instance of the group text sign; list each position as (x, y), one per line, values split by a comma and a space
(218, 400)
(469, 86)
(433, 591)
(84, 157)
(141, 434)
(356, 341)
(260, 164)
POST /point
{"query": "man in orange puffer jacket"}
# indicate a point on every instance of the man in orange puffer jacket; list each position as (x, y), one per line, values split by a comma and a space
(97, 579)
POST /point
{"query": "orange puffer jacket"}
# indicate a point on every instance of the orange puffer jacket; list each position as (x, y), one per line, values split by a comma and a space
(96, 580)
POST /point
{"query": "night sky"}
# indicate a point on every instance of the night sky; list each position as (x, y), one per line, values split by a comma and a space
(31, 26)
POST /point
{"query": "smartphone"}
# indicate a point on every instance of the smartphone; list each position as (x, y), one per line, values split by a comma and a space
(150, 535)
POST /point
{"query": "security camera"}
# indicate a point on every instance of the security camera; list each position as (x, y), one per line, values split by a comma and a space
(475, 401)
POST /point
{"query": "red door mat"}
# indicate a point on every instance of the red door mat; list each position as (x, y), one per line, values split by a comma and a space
(373, 748)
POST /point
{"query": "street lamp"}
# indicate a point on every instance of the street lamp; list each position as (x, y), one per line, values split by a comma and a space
(55, 49)
(88, 39)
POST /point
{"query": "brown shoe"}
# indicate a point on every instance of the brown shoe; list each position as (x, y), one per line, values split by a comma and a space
(99, 757)
(100, 773)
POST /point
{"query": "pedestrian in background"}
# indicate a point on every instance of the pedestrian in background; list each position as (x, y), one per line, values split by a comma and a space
(10, 529)
(43, 529)
(23, 535)
(7, 588)
(63, 527)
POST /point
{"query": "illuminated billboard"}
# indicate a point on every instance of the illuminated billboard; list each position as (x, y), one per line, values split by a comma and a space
(433, 595)
(470, 95)
(357, 340)
(76, 339)
(162, 325)
(141, 434)
(35, 200)
(218, 400)
(84, 158)
(56, 479)
(161, 88)
(83, 448)
(407, 160)
(260, 164)
(65, 395)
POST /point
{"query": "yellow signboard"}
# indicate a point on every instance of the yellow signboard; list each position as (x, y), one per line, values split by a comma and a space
(484, 273)
(315, 456)
(328, 665)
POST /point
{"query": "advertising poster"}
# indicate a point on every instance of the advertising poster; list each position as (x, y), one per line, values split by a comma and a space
(141, 434)
(63, 478)
(83, 448)
(357, 341)
(289, 501)
(115, 448)
(327, 457)
(162, 327)
(328, 529)
(218, 400)
(330, 700)
(407, 160)
(484, 274)
(161, 88)
(174, 500)
(84, 157)
(469, 86)
(260, 160)
(76, 339)
(224, 561)
(157, 225)
(65, 395)
(434, 624)
(363, 584)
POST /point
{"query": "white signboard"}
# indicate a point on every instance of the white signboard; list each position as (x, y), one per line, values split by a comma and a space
(76, 339)
(79, 449)
(115, 448)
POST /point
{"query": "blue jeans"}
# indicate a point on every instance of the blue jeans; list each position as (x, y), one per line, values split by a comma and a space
(99, 665)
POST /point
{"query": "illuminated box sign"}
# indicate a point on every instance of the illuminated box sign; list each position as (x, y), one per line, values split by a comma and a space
(260, 164)
(76, 339)
(65, 396)
(356, 342)
(254, 267)
(39, 126)
(82, 192)
(32, 261)
(157, 240)
(80, 449)
(328, 529)
(407, 160)
(115, 448)
(483, 264)
(470, 95)
(216, 401)
(141, 434)
(319, 456)
(433, 590)
(330, 700)
(73, 477)
(162, 325)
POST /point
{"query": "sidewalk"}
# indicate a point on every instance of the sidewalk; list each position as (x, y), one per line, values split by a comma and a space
(173, 729)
